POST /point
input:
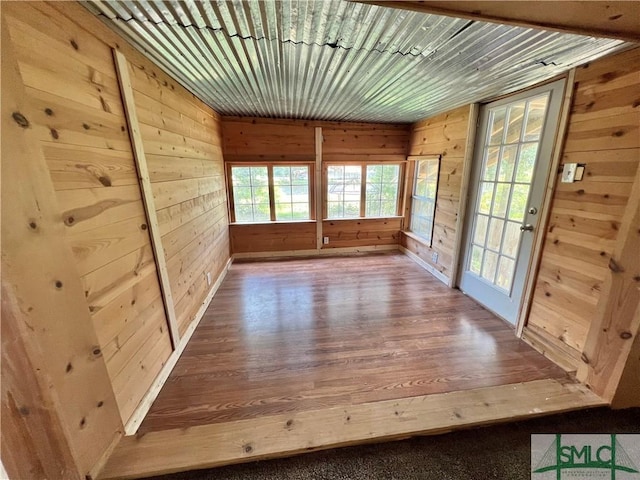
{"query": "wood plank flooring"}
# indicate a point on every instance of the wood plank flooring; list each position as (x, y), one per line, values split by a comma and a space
(291, 336)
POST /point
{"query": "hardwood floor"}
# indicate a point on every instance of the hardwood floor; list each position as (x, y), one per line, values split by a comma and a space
(299, 335)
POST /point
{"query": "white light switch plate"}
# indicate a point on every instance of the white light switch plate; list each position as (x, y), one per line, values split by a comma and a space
(569, 172)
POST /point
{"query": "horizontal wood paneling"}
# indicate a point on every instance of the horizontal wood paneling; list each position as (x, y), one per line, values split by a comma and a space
(273, 237)
(361, 232)
(71, 84)
(604, 134)
(181, 138)
(260, 139)
(444, 135)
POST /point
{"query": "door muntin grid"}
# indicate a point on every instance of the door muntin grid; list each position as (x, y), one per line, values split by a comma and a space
(510, 152)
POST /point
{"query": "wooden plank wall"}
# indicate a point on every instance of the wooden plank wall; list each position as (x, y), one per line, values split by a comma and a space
(259, 139)
(73, 88)
(65, 60)
(181, 140)
(444, 135)
(585, 218)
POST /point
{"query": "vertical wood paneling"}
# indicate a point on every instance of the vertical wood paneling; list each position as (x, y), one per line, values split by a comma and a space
(444, 135)
(181, 138)
(585, 220)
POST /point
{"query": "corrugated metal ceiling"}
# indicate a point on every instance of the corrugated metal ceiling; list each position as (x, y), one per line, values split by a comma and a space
(336, 60)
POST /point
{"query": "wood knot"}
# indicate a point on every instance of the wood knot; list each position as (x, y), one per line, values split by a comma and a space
(289, 423)
(69, 367)
(73, 44)
(33, 225)
(83, 422)
(48, 112)
(143, 226)
(615, 17)
(54, 134)
(105, 181)
(100, 404)
(24, 411)
(86, 126)
(625, 335)
(20, 119)
(614, 267)
(618, 133)
(58, 284)
(96, 351)
(69, 220)
(584, 358)
(247, 448)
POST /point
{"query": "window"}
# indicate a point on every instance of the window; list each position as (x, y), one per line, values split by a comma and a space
(272, 192)
(355, 191)
(423, 198)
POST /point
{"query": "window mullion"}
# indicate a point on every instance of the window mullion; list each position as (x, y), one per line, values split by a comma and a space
(272, 198)
(363, 190)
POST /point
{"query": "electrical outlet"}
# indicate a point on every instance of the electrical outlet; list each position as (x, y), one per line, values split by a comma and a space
(434, 257)
(209, 278)
(325, 240)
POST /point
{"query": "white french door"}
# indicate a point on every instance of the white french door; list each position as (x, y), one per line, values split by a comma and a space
(511, 162)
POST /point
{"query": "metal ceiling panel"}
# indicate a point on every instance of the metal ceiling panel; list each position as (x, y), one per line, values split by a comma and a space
(336, 60)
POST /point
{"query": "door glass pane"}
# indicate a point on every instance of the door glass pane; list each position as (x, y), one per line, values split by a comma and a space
(507, 162)
(501, 200)
(494, 238)
(491, 164)
(505, 273)
(535, 118)
(489, 265)
(526, 162)
(486, 197)
(476, 260)
(511, 239)
(496, 128)
(518, 202)
(516, 117)
(481, 230)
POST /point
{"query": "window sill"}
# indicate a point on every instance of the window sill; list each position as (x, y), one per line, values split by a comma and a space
(277, 222)
(417, 238)
(395, 217)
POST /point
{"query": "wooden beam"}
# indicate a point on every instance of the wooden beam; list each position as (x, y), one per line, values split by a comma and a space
(608, 19)
(317, 187)
(137, 144)
(219, 444)
(48, 320)
(617, 321)
(458, 241)
(545, 208)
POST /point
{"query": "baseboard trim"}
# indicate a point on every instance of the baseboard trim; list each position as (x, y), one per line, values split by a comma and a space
(429, 268)
(145, 404)
(314, 252)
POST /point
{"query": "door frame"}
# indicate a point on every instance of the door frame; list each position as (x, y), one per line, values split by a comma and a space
(539, 234)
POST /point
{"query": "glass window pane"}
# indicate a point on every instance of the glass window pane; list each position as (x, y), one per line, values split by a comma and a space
(343, 187)
(494, 237)
(511, 239)
(489, 265)
(491, 163)
(497, 126)
(486, 197)
(282, 175)
(390, 173)
(351, 209)
(535, 118)
(516, 115)
(507, 163)
(526, 162)
(244, 213)
(300, 175)
(261, 212)
(501, 200)
(259, 176)
(241, 176)
(291, 187)
(388, 209)
(334, 209)
(300, 211)
(505, 273)
(482, 221)
(382, 190)
(518, 204)
(476, 260)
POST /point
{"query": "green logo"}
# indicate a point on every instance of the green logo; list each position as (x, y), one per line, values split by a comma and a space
(603, 456)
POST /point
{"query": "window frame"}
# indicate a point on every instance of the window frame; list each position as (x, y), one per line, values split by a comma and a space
(363, 187)
(271, 186)
(411, 183)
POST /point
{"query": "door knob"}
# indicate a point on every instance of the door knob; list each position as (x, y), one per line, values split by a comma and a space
(526, 228)
(533, 210)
